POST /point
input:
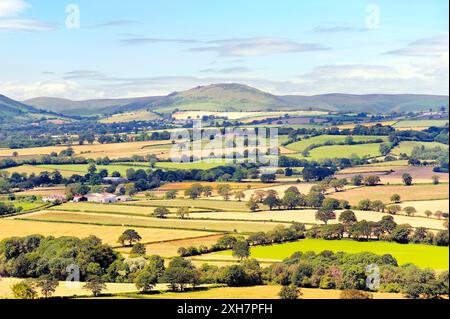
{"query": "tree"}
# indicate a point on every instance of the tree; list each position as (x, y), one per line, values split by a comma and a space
(291, 200)
(347, 218)
(409, 210)
(241, 249)
(325, 215)
(183, 212)
(172, 194)
(239, 195)
(330, 204)
(407, 179)
(252, 204)
(146, 280)
(385, 148)
(365, 204)
(138, 249)
(428, 213)
(207, 191)
(272, 200)
(96, 285)
(290, 292)
(24, 290)
(393, 209)
(47, 285)
(438, 214)
(378, 206)
(268, 178)
(129, 235)
(224, 190)
(355, 294)
(357, 180)
(180, 272)
(401, 234)
(338, 184)
(371, 180)
(194, 191)
(259, 195)
(395, 198)
(435, 179)
(161, 212)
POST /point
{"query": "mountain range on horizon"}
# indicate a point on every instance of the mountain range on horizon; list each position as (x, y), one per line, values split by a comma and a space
(225, 97)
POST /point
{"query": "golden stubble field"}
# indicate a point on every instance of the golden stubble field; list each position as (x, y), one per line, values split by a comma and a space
(108, 234)
(384, 193)
(96, 150)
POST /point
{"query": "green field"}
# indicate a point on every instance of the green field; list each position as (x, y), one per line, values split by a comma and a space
(301, 145)
(408, 146)
(342, 151)
(421, 255)
(25, 205)
(420, 123)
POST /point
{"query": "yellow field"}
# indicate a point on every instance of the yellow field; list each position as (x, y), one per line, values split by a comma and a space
(170, 248)
(113, 150)
(43, 191)
(260, 292)
(109, 234)
(248, 116)
(384, 193)
(132, 116)
(307, 216)
(133, 221)
(432, 205)
(108, 208)
(352, 125)
(31, 169)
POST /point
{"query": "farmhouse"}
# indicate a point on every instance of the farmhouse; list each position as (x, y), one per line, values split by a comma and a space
(55, 198)
(114, 180)
(102, 198)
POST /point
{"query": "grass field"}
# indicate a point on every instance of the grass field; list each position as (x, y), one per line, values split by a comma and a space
(408, 146)
(420, 123)
(345, 151)
(421, 255)
(109, 234)
(384, 193)
(257, 292)
(134, 221)
(301, 145)
(25, 205)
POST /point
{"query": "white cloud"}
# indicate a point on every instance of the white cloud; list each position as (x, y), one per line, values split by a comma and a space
(10, 8)
(434, 46)
(260, 46)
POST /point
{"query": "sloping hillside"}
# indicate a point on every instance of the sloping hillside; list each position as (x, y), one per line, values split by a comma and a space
(238, 97)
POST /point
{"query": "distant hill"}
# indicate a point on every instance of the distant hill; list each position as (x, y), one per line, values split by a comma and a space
(238, 97)
(14, 110)
(90, 107)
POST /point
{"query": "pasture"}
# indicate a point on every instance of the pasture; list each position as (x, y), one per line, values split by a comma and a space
(321, 139)
(407, 146)
(420, 123)
(426, 256)
(197, 203)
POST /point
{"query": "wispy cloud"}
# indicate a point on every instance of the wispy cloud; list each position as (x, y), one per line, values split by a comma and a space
(9, 20)
(115, 23)
(259, 46)
(83, 75)
(338, 28)
(238, 69)
(144, 41)
(431, 47)
(10, 8)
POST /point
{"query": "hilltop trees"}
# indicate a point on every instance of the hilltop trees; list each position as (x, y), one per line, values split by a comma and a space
(131, 236)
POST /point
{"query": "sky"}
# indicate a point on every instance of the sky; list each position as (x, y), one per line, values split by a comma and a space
(85, 49)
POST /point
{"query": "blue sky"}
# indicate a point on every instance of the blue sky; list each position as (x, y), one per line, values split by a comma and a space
(140, 47)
